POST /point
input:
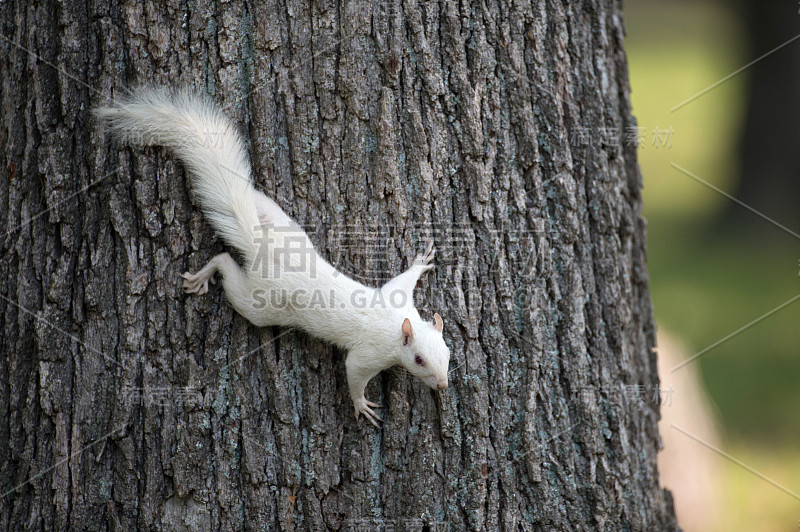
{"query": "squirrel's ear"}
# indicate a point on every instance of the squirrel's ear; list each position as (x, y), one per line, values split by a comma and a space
(438, 324)
(408, 332)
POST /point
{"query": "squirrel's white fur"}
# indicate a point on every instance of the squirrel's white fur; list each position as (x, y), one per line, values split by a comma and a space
(285, 281)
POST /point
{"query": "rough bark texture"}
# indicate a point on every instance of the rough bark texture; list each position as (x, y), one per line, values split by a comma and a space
(126, 404)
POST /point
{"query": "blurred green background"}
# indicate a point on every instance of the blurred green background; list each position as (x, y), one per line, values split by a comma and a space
(714, 266)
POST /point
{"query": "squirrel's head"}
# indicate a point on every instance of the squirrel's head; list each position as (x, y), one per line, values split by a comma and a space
(425, 355)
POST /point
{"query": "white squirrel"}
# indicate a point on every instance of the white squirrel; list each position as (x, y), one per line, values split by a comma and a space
(286, 282)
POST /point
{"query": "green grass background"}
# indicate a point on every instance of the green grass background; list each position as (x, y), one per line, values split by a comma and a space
(708, 280)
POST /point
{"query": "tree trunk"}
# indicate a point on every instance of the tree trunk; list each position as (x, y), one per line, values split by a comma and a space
(499, 129)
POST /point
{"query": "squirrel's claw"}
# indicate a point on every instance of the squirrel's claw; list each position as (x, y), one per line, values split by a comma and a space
(372, 416)
(194, 284)
(363, 407)
(425, 259)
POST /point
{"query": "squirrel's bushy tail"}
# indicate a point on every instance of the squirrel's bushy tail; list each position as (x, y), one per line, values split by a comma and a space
(208, 145)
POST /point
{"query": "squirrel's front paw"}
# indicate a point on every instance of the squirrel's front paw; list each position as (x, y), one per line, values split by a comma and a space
(362, 406)
(426, 258)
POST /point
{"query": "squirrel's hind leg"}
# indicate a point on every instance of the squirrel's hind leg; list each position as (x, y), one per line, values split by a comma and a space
(238, 289)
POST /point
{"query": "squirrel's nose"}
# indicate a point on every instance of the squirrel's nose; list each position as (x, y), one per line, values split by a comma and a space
(442, 384)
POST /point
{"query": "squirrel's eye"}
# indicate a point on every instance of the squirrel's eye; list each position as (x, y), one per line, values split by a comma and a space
(418, 360)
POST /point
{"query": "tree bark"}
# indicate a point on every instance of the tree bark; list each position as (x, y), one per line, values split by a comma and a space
(378, 126)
